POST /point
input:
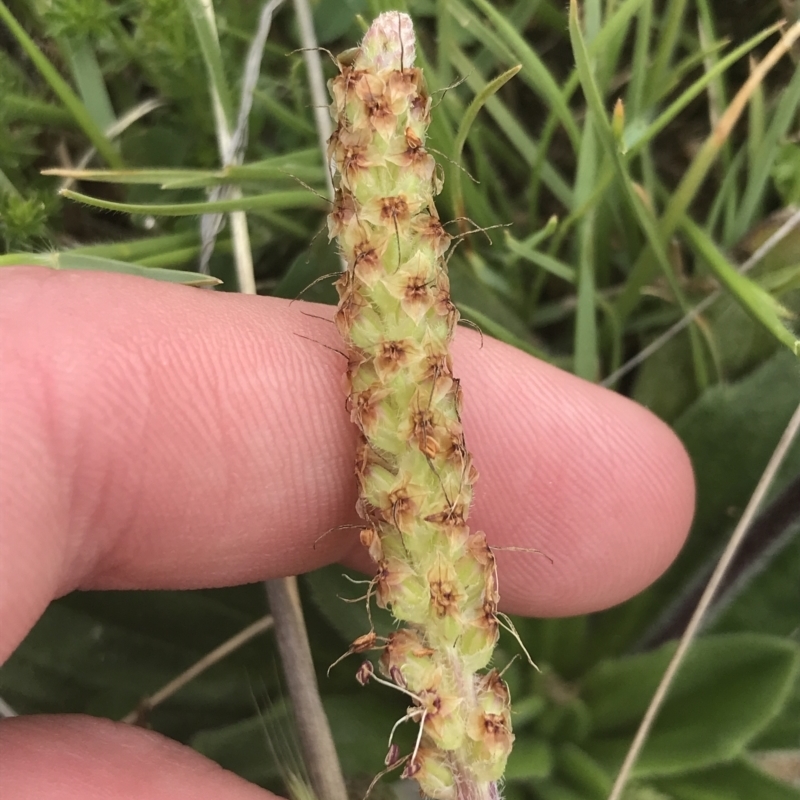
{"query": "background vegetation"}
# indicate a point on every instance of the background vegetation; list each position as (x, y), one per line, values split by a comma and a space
(620, 221)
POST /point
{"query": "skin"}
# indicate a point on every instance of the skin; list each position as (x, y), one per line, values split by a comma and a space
(156, 436)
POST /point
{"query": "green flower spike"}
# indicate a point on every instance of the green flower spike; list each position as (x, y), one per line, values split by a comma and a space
(415, 475)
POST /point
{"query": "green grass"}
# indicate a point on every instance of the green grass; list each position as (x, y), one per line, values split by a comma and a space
(615, 226)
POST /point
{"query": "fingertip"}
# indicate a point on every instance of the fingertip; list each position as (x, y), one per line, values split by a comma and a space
(73, 757)
(595, 481)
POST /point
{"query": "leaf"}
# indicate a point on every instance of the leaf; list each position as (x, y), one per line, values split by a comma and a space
(784, 730)
(480, 99)
(498, 331)
(730, 434)
(556, 791)
(272, 200)
(89, 78)
(535, 73)
(511, 791)
(558, 642)
(728, 690)
(769, 600)
(528, 252)
(664, 383)
(358, 729)
(530, 758)
(567, 721)
(782, 254)
(202, 14)
(736, 781)
(244, 746)
(755, 300)
(578, 769)
(101, 653)
(70, 260)
(786, 173)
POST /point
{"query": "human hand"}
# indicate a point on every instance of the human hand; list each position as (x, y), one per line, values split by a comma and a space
(155, 436)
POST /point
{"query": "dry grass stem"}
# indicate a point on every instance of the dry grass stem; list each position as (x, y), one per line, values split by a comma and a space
(208, 660)
(763, 250)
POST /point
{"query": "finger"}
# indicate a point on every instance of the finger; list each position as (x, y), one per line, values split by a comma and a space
(598, 486)
(83, 758)
(159, 436)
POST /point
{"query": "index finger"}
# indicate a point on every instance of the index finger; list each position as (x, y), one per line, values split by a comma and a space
(162, 437)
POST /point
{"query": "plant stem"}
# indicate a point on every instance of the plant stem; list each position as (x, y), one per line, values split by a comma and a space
(319, 753)
(198, 668)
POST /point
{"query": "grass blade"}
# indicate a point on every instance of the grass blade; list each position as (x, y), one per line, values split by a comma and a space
(761, 305)
(587, 356)
(62, 90)
(513, 130)
(699, 168)
(202, 14)
(474, 107)
(500, 332)
(685, 98)
(634, 99)
(547, 262)
(70, 260)
(293, 167)
(273, 200)
(668, 38)
(89, 80)
(535, 72)
(701, 164)
(759, 172)
(717, 101)
(759, 254)
(32, 109)
(645, 218)
(139, 249)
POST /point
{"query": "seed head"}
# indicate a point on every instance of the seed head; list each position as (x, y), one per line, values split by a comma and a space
(415, 475)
